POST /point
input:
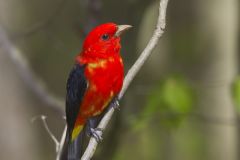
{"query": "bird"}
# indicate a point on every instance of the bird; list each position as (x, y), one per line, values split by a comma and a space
(93, 83)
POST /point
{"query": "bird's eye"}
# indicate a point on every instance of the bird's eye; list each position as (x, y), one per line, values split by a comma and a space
(105, 37)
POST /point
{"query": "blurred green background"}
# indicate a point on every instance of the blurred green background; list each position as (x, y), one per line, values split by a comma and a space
(183, 105)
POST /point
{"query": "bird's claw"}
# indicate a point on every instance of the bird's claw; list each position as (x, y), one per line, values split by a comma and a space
(116, 104)
(96, 133)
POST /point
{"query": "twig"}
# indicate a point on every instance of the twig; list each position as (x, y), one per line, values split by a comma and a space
(90, 150)
(22, 66)
(61, 143)
(31, 79)
(43, 118)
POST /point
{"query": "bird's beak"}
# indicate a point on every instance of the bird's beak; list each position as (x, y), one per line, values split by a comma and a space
(121, 29)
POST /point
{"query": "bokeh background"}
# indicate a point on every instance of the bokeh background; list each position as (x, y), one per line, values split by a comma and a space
(183, 105)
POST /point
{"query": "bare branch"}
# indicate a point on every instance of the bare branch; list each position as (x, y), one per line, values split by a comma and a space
(89, 152)
(149, 48)
(60, 149)
(28, 75)
(43, 118)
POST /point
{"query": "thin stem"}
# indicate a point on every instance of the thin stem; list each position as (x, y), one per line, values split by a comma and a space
(91, 148)
(43, 118)
(60, 149)
(29, 77)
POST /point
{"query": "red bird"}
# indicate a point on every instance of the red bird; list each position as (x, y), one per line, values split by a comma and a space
(95, 80)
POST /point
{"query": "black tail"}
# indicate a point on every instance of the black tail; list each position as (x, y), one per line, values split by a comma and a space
(73, 150)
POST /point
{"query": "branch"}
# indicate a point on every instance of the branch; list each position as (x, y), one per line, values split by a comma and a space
(43, 118)
(131, 74)
(31, 79)
(90, 150)
(22, 65)
(60, 149)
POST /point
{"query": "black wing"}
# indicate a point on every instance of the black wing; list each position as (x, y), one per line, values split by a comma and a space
(76, 87)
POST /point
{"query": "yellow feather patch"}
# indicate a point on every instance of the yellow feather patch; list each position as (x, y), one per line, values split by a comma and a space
(76, 132)
(121, 61)
(100, 63)
(93, 65)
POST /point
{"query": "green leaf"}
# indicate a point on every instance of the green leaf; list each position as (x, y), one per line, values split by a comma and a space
(171, 101)
(177, 95)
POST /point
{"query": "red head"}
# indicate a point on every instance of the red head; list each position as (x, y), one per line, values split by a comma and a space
(103, 40)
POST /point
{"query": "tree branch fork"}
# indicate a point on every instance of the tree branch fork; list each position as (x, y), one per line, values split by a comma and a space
(37, 86)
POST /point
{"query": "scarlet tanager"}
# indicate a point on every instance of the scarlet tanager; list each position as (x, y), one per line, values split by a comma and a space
(95, 80)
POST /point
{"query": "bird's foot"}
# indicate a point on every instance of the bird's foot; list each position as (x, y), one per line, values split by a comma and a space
(116, 104)
(96, 133)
